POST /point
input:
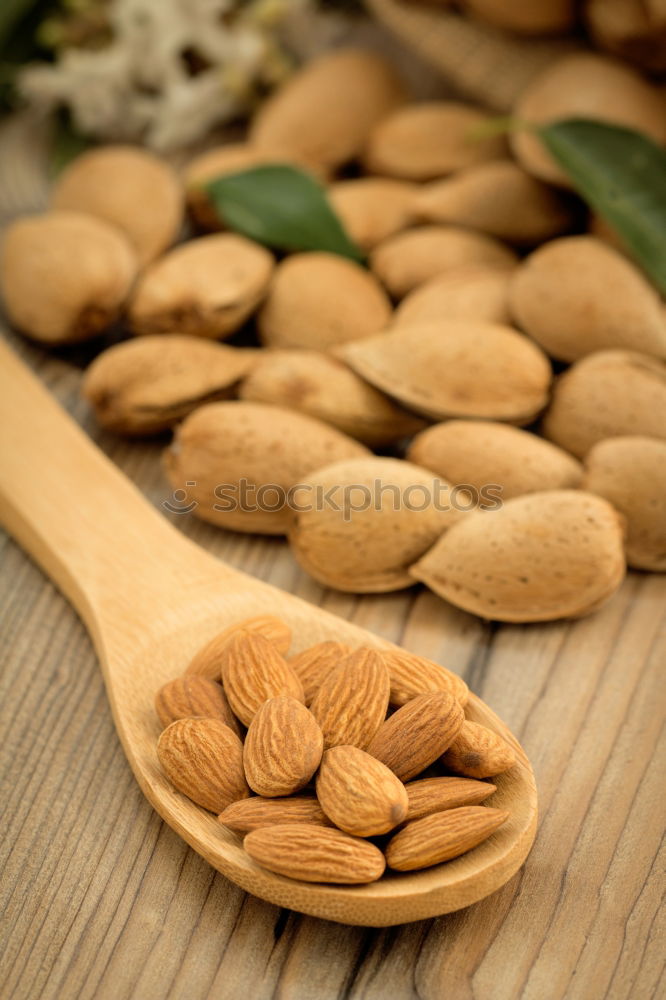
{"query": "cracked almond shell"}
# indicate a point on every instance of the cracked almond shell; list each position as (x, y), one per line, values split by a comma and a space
(607, 394)
(323, 387)
(405, 261)
(387, 515)
(470, 291)
(206, 288)
(45, 295)
(144, 385)
(426, 140)
(224, 453)
(577, 295)
(319, 300)
(130, 188)
(583, 85)
(325, 111)
(544, 556)
(483, 453)
(456, 369)
(630, 472)
(498, 198)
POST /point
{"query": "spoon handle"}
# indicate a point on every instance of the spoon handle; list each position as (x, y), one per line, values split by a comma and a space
(79, 518)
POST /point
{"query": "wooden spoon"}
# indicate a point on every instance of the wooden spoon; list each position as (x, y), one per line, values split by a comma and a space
(150, 598)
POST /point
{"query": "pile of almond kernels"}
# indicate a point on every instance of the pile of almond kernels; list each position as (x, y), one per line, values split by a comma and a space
(312, 758)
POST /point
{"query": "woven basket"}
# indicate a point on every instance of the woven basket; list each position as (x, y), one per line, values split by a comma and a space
(485, 64)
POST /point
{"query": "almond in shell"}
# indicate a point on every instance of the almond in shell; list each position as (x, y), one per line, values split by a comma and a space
(442, 836)
(238, 462)
(417, 734)
(456, 369)
(468, 292)
(257, 812)
(498, 198)
(488, 455)
(630, 472)
(577, 295)
(373, 208)
(203, 758)
(325, 111)
(190, 696)
(409, 259)
(431, 795)
(429, 139)
(146, 385)
(128, 187)
(540, 557)
(208, 660)
(321, 386)
(318, 300)
(607, 394)
(206, 288)
(351, 702)
(282, 749)
(478, 752)
(360, 794)
(315, 854)
(380, 515)
(252, 672)
(315, 663)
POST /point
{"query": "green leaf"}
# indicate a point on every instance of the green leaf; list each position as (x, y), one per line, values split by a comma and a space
(622, 176)
(282, 207)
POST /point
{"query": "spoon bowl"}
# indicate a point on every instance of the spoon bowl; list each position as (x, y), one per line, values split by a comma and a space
(150, 599)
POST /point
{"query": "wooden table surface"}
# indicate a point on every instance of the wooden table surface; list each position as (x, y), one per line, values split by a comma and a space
(100, 900)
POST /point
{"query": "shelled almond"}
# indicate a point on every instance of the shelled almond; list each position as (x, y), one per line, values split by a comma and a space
(307, 787)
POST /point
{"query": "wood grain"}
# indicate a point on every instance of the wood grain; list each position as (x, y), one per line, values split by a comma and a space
(101, 900)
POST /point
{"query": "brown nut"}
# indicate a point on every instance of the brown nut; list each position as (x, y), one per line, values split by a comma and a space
(604, 395)
(373, 208)
(130, 188)
(630, 472)
(409, 259)
(557, 554)
(456, 369)
(323, 387)
(318, 300)
(583, 85)
(145, 385)
(423, 141)
(632, 29)
(577, 295)
(324, 112)
(527, 18)
(369, 532)
(48, 298)
(498, 198)
(207, 287)
(471, 291)
(237, 461)
(494, 457)
(230, 158)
